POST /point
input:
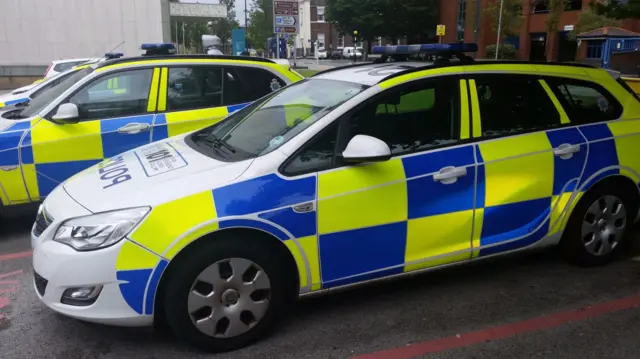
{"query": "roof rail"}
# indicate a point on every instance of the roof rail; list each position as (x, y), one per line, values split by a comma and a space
(177, 57)
(483, 62)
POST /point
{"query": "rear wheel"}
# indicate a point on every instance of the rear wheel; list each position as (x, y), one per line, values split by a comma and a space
(597, 229)
(228, 293)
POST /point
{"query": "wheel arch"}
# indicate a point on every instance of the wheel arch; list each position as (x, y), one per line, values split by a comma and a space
(275, 243)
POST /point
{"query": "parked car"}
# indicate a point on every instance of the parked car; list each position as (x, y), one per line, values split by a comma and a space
(322, 53)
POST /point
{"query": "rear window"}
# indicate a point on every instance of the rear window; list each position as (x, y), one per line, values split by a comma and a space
(585, 102)
(64, 66)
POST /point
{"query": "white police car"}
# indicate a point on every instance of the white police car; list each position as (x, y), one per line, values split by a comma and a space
(356, 173)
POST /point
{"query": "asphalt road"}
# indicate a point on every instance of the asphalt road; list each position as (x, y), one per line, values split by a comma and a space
(527, 306)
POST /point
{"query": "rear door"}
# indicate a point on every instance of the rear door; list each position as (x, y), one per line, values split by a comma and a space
(195, 96)
(530, 158)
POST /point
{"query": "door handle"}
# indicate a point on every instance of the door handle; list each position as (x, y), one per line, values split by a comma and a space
(134, 127)
(565, 151)
(450, 174)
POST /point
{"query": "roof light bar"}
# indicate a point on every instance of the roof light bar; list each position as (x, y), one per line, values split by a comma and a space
(158, 49)
(113, 55)
(430, 49)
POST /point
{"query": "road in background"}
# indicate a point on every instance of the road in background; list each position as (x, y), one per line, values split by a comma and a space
(524, 306)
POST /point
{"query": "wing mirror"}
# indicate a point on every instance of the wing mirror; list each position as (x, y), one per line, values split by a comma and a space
(67, 113)
(364, 148)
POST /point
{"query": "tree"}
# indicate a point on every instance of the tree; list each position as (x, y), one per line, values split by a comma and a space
(589, 20)
(618, 9)
(222, 27)
(511, 17)
(556, 8)
(260, 26)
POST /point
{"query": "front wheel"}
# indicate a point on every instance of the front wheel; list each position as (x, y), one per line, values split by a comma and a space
(227, 294)
(598, 227)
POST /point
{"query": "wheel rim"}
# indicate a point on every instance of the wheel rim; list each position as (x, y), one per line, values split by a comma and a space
(229, 298)
(603, 225)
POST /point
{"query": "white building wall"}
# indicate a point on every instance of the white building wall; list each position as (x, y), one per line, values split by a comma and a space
(35, 32)
(305, 25)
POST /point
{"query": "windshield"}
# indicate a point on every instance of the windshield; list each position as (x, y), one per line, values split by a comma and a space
(273, 120)
(51, 92)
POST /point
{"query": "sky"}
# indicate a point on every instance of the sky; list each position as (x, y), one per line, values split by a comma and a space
(239, 7)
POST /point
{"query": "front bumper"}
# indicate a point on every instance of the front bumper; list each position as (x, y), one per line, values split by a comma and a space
(58, 267)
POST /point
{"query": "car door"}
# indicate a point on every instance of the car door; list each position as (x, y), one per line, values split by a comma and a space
(530, 160)
(411, 212)
(195, 96)
(111, 121)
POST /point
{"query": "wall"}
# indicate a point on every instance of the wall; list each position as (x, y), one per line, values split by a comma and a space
(35, 32)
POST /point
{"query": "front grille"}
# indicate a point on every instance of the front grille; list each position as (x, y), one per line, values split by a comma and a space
(41, 283)
(43, 220)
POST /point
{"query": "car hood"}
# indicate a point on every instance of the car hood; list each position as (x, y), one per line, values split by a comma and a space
(150, 175)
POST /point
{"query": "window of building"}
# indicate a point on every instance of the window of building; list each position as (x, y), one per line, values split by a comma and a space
(462, 15)
(320, 13)
(585, 102)
(540, 6)
(340, 41)
(574, 5)
(594, 49)
(513, 104)
(513, 41)
(194, 87)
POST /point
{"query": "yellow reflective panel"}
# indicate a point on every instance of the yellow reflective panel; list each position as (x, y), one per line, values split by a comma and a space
(64, 143)
(187, 121)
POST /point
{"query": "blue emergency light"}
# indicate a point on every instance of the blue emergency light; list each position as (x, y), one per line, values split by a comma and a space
(113, 55)
(158, 49)
(428, 49)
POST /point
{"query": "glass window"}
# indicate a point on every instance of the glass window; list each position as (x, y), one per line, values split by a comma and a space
(45, 98)
(585, 102)
(320, 13)
(267, 124)
(318, 156)
(419, 117)
(194, 87)
(53, 82)
(97, 100)
(511, 104)
(247, 84)
(64, 66)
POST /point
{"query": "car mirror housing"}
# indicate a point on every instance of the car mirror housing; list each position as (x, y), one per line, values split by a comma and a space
(363, 148)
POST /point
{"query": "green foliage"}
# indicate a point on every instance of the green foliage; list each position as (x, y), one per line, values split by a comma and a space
(556, 7)
(189, 33)
(260, 22)
(512, 18)
(617, 9)
(506, 52)
(589, 20)
(222, 27)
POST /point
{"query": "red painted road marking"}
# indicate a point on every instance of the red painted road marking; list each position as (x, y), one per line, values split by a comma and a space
(10, 290)
(9, 282)
(10, 256)
(504, 331)
(15, 272)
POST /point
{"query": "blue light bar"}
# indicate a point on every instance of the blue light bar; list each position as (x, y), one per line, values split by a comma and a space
(154, 47)
(113, 55)
(430, 49)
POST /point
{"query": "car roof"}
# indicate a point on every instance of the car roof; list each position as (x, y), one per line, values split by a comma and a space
(177, 58)
(367, 73)
(70, 60)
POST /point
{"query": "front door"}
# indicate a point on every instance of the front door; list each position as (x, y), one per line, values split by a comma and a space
(529, 159)
(411, 212)
(112, 119)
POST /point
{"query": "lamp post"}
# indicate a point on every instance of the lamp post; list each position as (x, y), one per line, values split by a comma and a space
(499, 29)
(355, 45)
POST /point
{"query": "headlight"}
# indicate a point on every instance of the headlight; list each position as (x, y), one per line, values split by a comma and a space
(99, 230)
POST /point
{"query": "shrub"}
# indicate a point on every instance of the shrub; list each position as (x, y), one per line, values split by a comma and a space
(507, 52)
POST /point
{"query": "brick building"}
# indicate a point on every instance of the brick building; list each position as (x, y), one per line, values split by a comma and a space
(532, 39)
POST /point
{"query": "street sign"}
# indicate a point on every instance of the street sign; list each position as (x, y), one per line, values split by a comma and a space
(440, 30)
(285, 17)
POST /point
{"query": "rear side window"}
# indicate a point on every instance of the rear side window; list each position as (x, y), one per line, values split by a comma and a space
(513, 104)
(247, 84)
(196, 87)
(585, 102)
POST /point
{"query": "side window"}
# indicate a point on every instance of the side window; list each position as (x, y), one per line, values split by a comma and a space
(585, 102)
(247, 84)
(317, 156)
(97, 101)
(196, 87)
(512, 104)
(415, 118)
(64, 66)
(50, 85)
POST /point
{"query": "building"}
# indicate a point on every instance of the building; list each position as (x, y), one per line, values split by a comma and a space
(313, 27)
(532, 42)
(35, 32)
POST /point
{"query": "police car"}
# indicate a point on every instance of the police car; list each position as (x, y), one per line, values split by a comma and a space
(357, 173)
(113, 106)
(27, 93)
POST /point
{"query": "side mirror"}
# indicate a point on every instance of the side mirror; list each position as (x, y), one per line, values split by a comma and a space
(67, 112)
(364, 148)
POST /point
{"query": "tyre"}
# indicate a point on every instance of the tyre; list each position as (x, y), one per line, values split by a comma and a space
(227, 293)
(598, 227)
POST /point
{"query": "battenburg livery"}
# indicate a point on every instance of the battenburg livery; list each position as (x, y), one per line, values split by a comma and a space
(356, 173)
